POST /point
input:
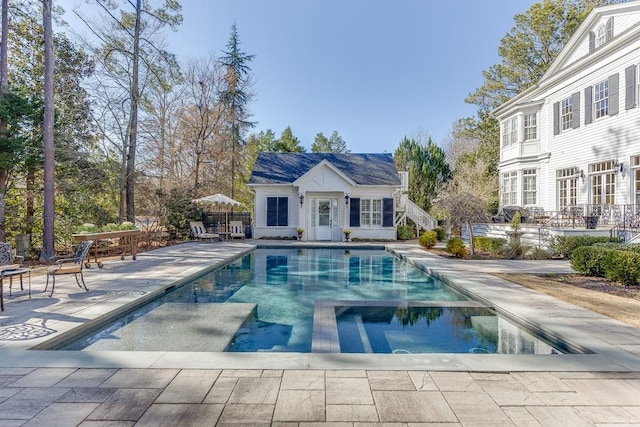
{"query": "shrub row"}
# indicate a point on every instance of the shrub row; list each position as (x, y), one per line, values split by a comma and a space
(493, 245)
(621, 266)
(564, 246)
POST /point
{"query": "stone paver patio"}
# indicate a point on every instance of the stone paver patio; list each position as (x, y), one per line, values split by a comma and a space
(93, 388)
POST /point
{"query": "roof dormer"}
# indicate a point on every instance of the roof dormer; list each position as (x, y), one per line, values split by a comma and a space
(602, 34)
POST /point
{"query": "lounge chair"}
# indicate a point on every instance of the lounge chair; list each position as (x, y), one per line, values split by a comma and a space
(73, 265)
(200, 233)
(236, 229)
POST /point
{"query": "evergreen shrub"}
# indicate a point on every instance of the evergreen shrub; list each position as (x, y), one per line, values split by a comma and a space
(406, 232)
(428, 239)
(455, 246)
(440, 233)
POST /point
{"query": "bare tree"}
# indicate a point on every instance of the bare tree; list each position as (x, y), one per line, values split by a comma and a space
(467, 197)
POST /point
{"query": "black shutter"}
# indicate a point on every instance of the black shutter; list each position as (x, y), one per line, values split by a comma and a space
(272, 211)
(354, 213)
(609, 34)
(614, 99)
(575, 110)
(630, 87)
(387, 212)
(283, 211)
(592, 41)
(556, 118)
(588, 104)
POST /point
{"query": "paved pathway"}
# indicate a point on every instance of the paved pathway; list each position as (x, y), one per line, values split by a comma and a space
(52, 388)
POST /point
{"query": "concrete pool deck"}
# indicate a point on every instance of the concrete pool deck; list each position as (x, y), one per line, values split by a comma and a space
(182, 388)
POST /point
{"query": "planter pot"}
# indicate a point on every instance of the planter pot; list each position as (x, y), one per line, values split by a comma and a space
(591, 222)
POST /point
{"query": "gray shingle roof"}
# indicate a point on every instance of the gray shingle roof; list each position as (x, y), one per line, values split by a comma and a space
(363, 169)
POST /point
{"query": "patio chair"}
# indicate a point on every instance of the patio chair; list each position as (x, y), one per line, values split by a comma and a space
(8, 258)
(73, 265)
(10, 261)
(236, 229)
(200, 233)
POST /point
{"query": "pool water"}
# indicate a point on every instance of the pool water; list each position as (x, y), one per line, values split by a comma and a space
(432, 329)
(265, 301)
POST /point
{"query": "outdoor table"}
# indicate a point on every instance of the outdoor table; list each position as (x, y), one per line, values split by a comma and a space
(130, 239)
(10, 274)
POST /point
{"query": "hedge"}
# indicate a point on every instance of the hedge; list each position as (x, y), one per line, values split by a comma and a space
(489, 244)
(618, 265)
(565, 245)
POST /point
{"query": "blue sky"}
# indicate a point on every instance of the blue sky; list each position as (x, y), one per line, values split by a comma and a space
(372, 70)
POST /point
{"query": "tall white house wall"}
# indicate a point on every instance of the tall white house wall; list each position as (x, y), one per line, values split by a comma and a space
(612, 137)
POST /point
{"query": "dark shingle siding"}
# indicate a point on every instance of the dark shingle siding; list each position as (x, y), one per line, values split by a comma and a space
(363, 169)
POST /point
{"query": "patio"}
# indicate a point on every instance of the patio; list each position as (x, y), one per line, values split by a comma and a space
(154, 388)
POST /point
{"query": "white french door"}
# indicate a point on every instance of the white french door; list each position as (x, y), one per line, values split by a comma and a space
(324, 216)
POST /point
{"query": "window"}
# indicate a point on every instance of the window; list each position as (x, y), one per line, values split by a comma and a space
(365, 212)
(635, 165)
(370, 212)
(566, 115)
(510, 132)
(567, 180)
(601, 99)
(602, 181)
(529, 187)
(277, 211)
(530, 127)
(509, 189)
(376, 213)
(601, 36)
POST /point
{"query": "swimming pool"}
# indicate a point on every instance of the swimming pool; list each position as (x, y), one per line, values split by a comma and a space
(271, 300)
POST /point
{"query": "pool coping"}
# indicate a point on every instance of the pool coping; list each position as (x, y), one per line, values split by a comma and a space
(598, 333)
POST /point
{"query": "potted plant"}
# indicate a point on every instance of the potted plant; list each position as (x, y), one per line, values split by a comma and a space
(347, 234)
(300, 231)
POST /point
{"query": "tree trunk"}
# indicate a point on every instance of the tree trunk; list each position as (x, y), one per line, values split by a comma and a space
(48, 238)
(471, 246)
(4, 75)
(29, 218)
(133, 119)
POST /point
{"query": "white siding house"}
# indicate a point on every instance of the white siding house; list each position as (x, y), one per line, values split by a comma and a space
(573, 139)
(325, 194)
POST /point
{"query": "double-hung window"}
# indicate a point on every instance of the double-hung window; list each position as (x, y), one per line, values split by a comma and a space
(529, 187)
(530, 127)
(371, 212)
(601, 99)
(509, 193)
(566, 113)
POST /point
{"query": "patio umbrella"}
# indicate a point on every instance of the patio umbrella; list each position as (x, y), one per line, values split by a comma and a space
(221, 201)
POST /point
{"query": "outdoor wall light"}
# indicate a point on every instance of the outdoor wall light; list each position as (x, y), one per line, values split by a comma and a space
(581, 175)
(617, 166)
(346, 199)
(301, 199)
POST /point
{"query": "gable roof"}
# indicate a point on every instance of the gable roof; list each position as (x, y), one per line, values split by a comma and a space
(582, 32)
(363, 169)
(566, 63)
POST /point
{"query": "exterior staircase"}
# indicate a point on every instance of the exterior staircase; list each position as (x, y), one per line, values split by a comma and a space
(405, 208)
